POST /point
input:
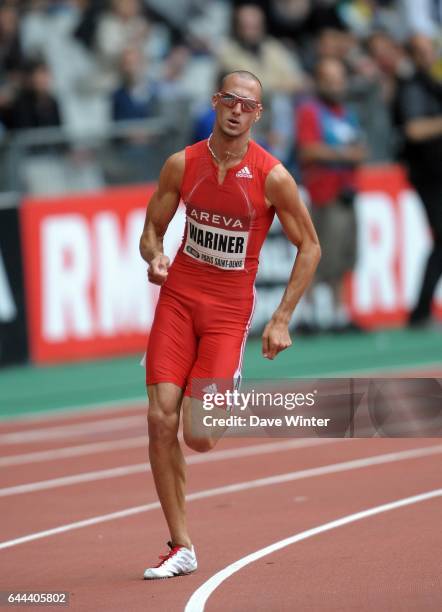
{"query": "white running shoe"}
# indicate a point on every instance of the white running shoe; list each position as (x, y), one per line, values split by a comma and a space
(179, 561)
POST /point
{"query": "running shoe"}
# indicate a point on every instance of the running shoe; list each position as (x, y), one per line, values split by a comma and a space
(179, 561)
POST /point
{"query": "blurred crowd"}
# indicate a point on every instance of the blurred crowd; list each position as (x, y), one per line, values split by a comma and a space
(345, 82)
(85, 63)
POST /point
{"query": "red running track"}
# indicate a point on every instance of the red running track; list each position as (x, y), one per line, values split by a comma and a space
(390, 561)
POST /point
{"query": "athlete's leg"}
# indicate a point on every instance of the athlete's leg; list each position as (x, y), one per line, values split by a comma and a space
(166, 458)
(171, 354)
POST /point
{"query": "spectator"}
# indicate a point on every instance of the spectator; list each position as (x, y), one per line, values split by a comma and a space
(172, 83)
(420, 115)
(365, 89)
(122, 27)
(251, 49)
(297, 22)
(11, 53)
(136, 97)
(345, 47)
(35, 106)
(330, 149)
(392, 61)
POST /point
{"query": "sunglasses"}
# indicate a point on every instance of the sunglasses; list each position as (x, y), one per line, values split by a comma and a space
(248, 105)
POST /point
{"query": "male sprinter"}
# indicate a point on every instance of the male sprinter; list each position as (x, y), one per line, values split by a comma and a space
(231, 188)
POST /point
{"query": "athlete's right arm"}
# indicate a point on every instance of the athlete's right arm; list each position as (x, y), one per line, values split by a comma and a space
(160, 212)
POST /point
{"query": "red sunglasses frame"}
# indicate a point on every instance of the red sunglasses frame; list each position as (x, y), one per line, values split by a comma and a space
(237, 99)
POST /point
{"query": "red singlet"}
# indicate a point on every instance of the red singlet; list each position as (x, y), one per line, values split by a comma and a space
(206, 305)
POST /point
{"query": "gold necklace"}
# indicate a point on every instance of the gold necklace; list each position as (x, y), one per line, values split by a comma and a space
(228, 153)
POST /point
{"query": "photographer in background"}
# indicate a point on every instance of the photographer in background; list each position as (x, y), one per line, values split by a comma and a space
(330, 147)
(419, 108)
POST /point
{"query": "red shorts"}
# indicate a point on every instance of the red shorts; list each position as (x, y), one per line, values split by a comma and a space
(195, 336)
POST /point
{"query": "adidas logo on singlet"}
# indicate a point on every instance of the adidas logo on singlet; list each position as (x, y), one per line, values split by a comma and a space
(244, 173)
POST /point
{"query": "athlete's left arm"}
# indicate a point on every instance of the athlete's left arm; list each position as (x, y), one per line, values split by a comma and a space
(282, 192)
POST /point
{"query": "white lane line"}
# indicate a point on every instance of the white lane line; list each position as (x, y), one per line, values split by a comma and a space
(233, 488)
(74, 451)
(72, 430)
(199, 598)
(68, 411)
(138, 468)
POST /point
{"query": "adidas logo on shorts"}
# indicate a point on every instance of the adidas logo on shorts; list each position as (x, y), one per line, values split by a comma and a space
(244, 173)
(211, 389)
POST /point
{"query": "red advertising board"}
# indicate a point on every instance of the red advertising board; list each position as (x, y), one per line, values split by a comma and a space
(86, 285)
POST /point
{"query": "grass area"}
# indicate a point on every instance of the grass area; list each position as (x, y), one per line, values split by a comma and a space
(32, 389)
